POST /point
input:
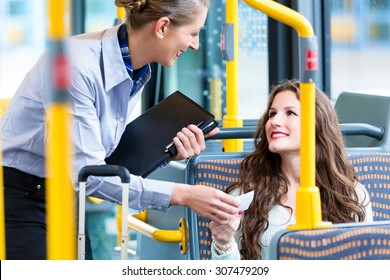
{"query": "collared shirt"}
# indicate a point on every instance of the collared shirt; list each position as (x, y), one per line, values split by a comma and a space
(136, 75)
(100, 110)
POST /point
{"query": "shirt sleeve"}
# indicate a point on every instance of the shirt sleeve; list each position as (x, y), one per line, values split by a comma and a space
(89, 150)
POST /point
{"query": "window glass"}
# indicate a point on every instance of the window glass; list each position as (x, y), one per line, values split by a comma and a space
(100, 14)
(360, 35)
(253, 62)
(202, 74)
(22, 40)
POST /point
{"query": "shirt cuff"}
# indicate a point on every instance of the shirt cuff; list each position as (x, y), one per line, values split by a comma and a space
(157, 194)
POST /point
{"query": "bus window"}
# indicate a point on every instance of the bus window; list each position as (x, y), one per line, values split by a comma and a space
(253, 62)
(100, 14)
(195, 72)
(22, 40)
(360, 54)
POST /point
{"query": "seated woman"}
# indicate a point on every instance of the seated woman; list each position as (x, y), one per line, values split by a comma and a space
(272, 171)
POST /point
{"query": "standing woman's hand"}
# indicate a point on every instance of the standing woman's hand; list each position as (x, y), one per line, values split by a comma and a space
(190, 141)
(208, 202)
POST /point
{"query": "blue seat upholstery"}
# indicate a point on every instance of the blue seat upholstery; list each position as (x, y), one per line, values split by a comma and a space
(340, 242)
(373, 171)
(217, 174)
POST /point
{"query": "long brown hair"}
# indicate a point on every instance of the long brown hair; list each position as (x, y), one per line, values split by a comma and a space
(261, 172)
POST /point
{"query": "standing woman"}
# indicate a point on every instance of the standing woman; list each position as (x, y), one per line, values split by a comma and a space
(109, 71)
(272, 172)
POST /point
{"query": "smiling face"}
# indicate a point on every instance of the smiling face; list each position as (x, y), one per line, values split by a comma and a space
(176, 40)
(283, 126)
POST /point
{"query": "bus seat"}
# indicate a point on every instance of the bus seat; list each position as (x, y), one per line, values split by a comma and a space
(373, 109)
(353, 240)
(357, 241)
(373, 170)
(221, 170)
(217, 170)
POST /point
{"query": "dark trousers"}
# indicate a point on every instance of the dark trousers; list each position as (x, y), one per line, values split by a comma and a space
(25, 216)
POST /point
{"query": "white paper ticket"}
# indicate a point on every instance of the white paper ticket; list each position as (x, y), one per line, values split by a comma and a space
(245, 200)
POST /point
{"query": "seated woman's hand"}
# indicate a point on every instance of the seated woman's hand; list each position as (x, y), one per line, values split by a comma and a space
(223, 233)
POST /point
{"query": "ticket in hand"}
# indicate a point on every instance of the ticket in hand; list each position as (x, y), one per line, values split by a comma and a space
(245, 201)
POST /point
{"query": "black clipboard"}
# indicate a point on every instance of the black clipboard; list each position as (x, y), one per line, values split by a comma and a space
(146, 143)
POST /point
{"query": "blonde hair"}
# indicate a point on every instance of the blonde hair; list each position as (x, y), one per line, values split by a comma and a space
(141, 12)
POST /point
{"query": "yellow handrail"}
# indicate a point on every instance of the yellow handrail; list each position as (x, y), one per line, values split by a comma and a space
(308, 202)
(3, 106)
(138, 223)
(232, 119)
(2, 224)
(283, 14)
(61, 234)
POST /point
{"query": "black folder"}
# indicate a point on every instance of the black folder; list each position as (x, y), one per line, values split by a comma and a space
(146, 143)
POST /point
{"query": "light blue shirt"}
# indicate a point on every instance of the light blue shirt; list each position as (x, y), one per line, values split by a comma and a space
(100, 109)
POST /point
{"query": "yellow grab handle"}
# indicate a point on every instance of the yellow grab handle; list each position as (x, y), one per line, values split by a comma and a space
(172, 236)
(283, 14)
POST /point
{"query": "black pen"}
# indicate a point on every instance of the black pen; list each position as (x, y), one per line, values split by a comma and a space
(167, 148)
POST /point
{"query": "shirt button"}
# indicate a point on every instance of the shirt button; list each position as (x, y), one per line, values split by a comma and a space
(39, 186)
(121, 119)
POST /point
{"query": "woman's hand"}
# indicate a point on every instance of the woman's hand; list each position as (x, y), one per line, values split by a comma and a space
(223, 233)
(207, 202)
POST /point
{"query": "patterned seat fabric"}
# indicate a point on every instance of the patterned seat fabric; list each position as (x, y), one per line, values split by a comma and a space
(368, 242)
(218, 174)
(373, 171)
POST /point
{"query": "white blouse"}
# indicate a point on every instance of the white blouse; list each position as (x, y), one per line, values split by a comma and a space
(279, 218)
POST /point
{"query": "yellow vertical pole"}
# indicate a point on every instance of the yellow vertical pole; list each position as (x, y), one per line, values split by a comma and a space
(120, 13)
(60, 200)
(3, 106)
(308, 136)
(2, 224)
(308, 202)
(119, 225)
(232, 119)
(120, 16)
(216, 97)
